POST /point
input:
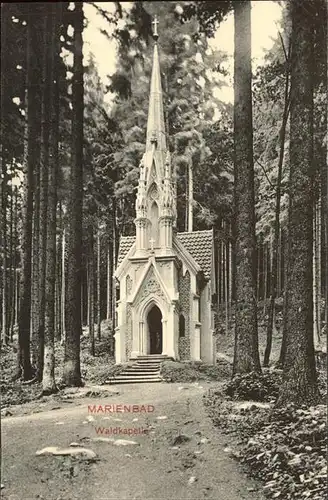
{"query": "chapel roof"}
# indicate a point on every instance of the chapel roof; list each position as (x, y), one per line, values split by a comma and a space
(197, 243)
(126, 243)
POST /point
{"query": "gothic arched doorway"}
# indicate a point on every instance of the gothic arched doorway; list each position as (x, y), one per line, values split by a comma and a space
(155, 330)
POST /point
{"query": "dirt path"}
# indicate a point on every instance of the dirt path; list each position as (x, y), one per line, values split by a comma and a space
(157, 467)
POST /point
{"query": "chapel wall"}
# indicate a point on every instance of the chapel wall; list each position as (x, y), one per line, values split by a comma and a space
(184, 300)
(128, 329)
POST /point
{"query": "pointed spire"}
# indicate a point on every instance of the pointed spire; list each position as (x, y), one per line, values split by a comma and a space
(155, 125)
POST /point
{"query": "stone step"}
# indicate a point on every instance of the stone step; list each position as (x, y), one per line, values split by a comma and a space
(160, 357)
(119, 380)
(143, 368)
(136, 375)
(149, 361)
(148, 365)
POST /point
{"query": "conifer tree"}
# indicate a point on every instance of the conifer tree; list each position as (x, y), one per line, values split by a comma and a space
(246, 357)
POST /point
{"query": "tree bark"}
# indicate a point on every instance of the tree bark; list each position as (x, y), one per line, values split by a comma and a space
(246, 355)
(190, 196)
(15, 278)
(114, 259)
(265, 265)
(274, 269)
(24, 320)
(98, 287)
(91, 293)
(316, 334)
(299, 377)
(48, 379)
(11, 259)
(226, 286)
(4, 158)
(109, 283)
(45, 135)
(4, 257)
(35, 306)
(72, 370)
(63, 285)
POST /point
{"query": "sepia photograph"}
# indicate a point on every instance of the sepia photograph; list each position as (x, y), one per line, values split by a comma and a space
(164, 250)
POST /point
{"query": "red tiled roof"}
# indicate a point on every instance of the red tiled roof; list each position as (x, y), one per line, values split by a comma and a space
(126, 243)
(198, 243)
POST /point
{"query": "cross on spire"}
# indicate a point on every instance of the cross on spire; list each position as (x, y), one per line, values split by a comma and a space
(155, 24)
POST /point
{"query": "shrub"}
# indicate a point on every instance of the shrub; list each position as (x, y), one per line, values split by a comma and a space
(175, 371)
(254, 386)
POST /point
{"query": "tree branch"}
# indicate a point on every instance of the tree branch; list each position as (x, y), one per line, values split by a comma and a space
(266, 175)
(283, 47)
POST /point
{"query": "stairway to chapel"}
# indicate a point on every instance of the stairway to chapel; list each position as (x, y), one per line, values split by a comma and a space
(145, 369)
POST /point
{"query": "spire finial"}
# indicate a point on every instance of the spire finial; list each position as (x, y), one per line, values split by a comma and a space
(155, 32)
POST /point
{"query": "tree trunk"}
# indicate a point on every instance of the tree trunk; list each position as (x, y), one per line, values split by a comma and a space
(220, 272)
(72, 370)
(279, 264)
(109, 284)
(265, 266)
(190, 196)
(299, 378)
(258, 280)
(11, 270)
(246, 355)
(5, 22)
(316, 336)
(63, 285)
(274, 269)
(4, 258)
(282, 354)
(114, 258)
(48, 379)
(35, 306)
(45, 131)
(15, 277)
(226, 286)
(58, 332)
(98, 287)
(91, 294)
(24, 320)
(318, 270)
(230, 276)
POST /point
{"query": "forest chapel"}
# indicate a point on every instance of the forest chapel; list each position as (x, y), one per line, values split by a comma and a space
(166, 278)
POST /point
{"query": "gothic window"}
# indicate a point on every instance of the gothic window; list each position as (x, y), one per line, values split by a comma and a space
(154, 222)
(182, 326)
(128, 287)
(153, 192)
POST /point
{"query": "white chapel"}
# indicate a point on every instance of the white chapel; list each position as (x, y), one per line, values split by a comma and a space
(166, 278)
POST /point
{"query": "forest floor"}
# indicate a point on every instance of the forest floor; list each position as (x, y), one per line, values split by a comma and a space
(181, 457)
(189, 451)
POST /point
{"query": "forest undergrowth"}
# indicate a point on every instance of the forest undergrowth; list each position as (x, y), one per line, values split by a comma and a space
(284, 447)
(94, 369)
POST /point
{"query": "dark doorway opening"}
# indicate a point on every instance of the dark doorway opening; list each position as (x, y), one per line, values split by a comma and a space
(155, 331)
